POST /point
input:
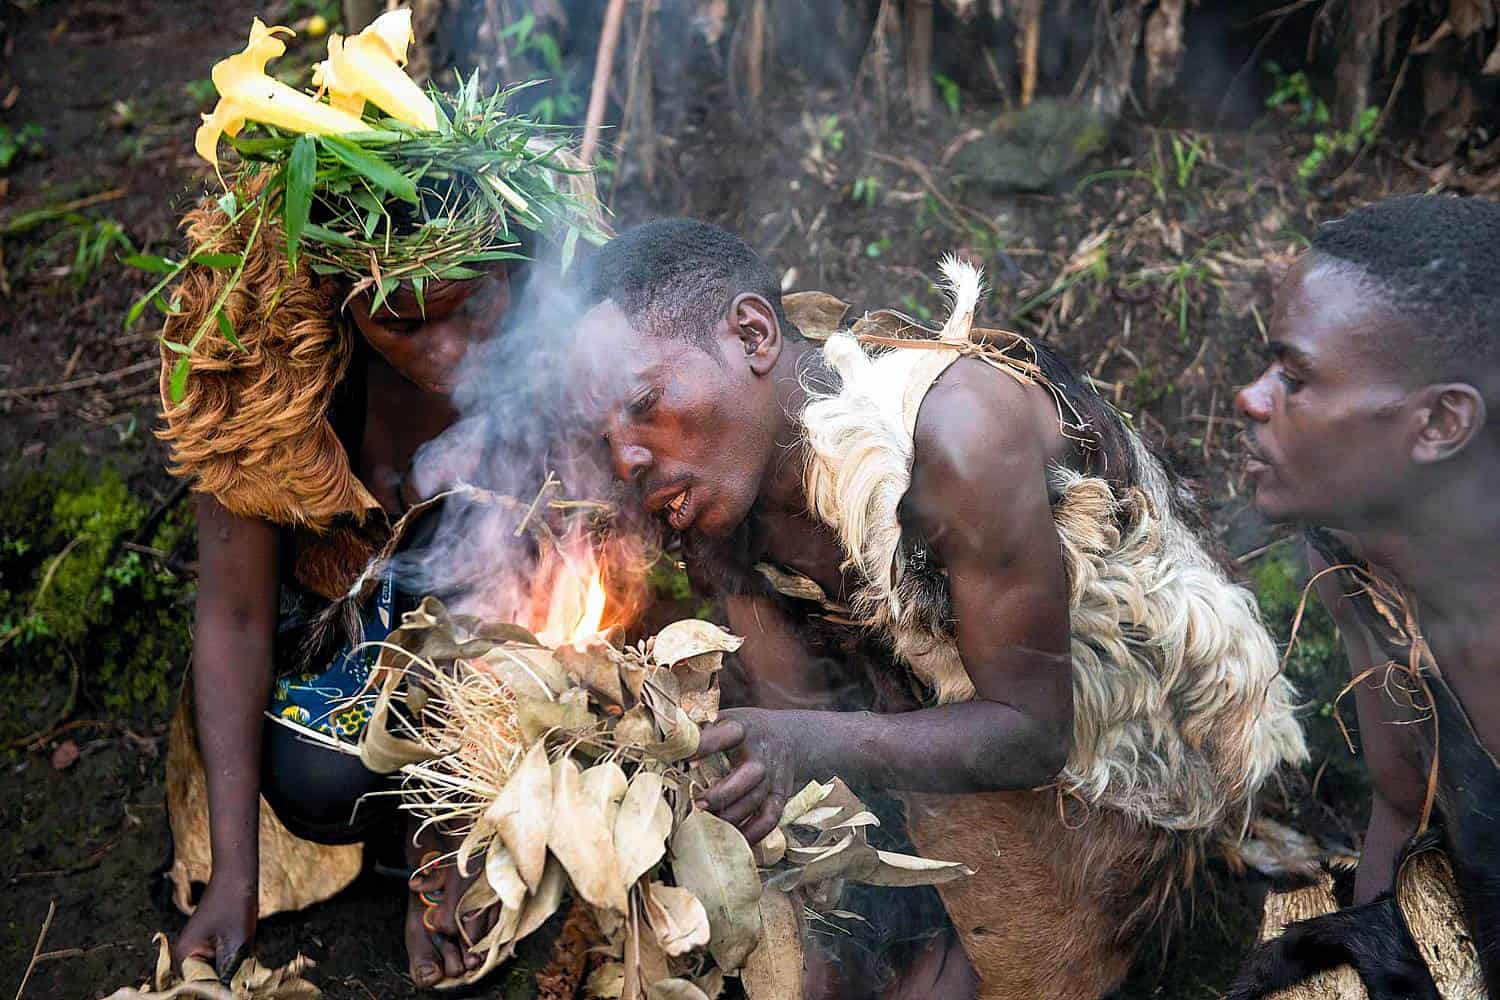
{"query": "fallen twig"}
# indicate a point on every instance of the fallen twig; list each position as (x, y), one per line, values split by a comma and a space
(925, 176)
(79, 383)
(30, 966)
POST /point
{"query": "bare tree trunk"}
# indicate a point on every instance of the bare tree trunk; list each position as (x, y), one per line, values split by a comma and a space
(1029, 16)
(1358, 46)
(919, 56)
(359, 13)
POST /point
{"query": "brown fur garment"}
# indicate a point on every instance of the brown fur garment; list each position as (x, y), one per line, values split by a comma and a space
(252, 428)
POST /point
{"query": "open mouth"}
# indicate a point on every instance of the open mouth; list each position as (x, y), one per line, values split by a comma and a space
(679, 509)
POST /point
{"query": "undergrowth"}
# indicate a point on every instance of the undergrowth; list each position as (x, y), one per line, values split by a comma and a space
(87, 587)
(1318, 669)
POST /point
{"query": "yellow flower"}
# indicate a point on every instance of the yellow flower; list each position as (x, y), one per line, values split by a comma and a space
(368, 67)
(246, 93)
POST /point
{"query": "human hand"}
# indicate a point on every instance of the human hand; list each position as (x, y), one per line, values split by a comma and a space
(221, 930)
(764, 747)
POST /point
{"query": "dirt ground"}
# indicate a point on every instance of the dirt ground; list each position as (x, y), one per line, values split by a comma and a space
(1147, 264)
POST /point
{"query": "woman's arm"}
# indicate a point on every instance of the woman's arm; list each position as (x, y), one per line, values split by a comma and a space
(234, 632)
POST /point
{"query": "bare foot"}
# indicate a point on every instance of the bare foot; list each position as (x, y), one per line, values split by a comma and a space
(437, 941)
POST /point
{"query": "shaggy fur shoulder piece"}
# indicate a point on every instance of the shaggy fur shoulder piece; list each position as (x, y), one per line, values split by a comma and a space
(1180, 711)
(252, 428)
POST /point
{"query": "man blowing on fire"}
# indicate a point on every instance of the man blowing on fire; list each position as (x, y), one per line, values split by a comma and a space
(1371, 427)
(953, 536)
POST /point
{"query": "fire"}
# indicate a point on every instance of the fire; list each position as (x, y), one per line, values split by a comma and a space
(575, 601)
(593, 610)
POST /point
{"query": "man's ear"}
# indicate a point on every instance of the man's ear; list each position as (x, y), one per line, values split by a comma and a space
(1451, 414)
(752, 321)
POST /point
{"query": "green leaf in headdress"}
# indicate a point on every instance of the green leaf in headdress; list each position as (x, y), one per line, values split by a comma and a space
(301, 170)
(379, 173)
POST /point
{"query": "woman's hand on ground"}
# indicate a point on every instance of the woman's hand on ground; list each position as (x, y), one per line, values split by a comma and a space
(221, 930)
(763, 746)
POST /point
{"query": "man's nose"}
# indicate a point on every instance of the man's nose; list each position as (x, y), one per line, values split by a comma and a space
(1254, 401)
(630, 460)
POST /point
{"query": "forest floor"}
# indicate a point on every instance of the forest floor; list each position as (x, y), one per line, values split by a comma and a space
(1149, 262)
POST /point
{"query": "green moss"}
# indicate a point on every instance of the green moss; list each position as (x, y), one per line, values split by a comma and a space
(1318, 668)
(73, 597)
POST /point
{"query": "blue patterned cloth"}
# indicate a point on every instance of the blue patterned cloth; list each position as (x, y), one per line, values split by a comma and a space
(330, 702)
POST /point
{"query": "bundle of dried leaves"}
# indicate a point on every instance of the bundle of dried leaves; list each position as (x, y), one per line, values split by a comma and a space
(567, 772)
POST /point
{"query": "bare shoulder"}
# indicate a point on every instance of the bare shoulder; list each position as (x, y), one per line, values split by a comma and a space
(979, 447)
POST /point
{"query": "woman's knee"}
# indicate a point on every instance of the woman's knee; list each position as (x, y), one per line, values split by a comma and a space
(319, 794)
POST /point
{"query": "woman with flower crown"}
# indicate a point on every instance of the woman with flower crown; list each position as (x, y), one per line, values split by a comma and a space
(371, 234)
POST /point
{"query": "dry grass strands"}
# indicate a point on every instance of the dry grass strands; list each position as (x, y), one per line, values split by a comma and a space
(562, 769)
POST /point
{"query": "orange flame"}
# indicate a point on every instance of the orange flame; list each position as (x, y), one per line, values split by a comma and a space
(575, 601)
(593, 610)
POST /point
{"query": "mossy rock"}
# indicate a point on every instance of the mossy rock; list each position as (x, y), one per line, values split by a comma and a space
(1035, 148)
(75, 600)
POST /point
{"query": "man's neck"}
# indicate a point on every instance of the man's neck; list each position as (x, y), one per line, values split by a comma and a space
(784, 490)
(1444, 547)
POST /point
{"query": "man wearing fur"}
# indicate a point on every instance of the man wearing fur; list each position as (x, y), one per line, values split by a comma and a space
(1059, 682)
(1371, 423)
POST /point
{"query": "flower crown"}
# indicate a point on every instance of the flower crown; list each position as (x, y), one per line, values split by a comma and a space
(373, 178)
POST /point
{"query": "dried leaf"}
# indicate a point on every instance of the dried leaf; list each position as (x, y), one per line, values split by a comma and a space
(65, 756)
(676, 917)
(381, 750)
(536, 718)
(501, 873)
(711, 983)
(849, 857)
(907, 870)
(522, 813)
(712, 861)
(580, 840)
(479, 895)
(817, 816)
(674, 989)
(680, 737)
(642, 826)
(817, 315)
(811, 795)
(635, 727)
(594, 668)
(606, 982)
(605, 783)
(774, 969)
(690, 638)
(771, 849)
(544, 901)
(529, 672)
(632, 675)
(701, 706)
(252, 981)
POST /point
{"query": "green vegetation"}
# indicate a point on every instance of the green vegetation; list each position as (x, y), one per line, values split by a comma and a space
(949, 92)
(1294, 94)
(87, 591)
(73, 244)
(1316, 666)
(562, 102)
(17, 143)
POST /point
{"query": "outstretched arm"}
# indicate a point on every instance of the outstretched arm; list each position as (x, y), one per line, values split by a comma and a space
(979, 497)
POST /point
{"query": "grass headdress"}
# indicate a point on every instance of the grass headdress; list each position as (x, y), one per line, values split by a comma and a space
(372, 178)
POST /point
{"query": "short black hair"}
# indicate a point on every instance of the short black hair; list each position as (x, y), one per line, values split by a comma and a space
(1436, 261)
(676, 277)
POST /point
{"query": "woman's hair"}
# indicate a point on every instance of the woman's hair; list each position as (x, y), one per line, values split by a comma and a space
(252, 427)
